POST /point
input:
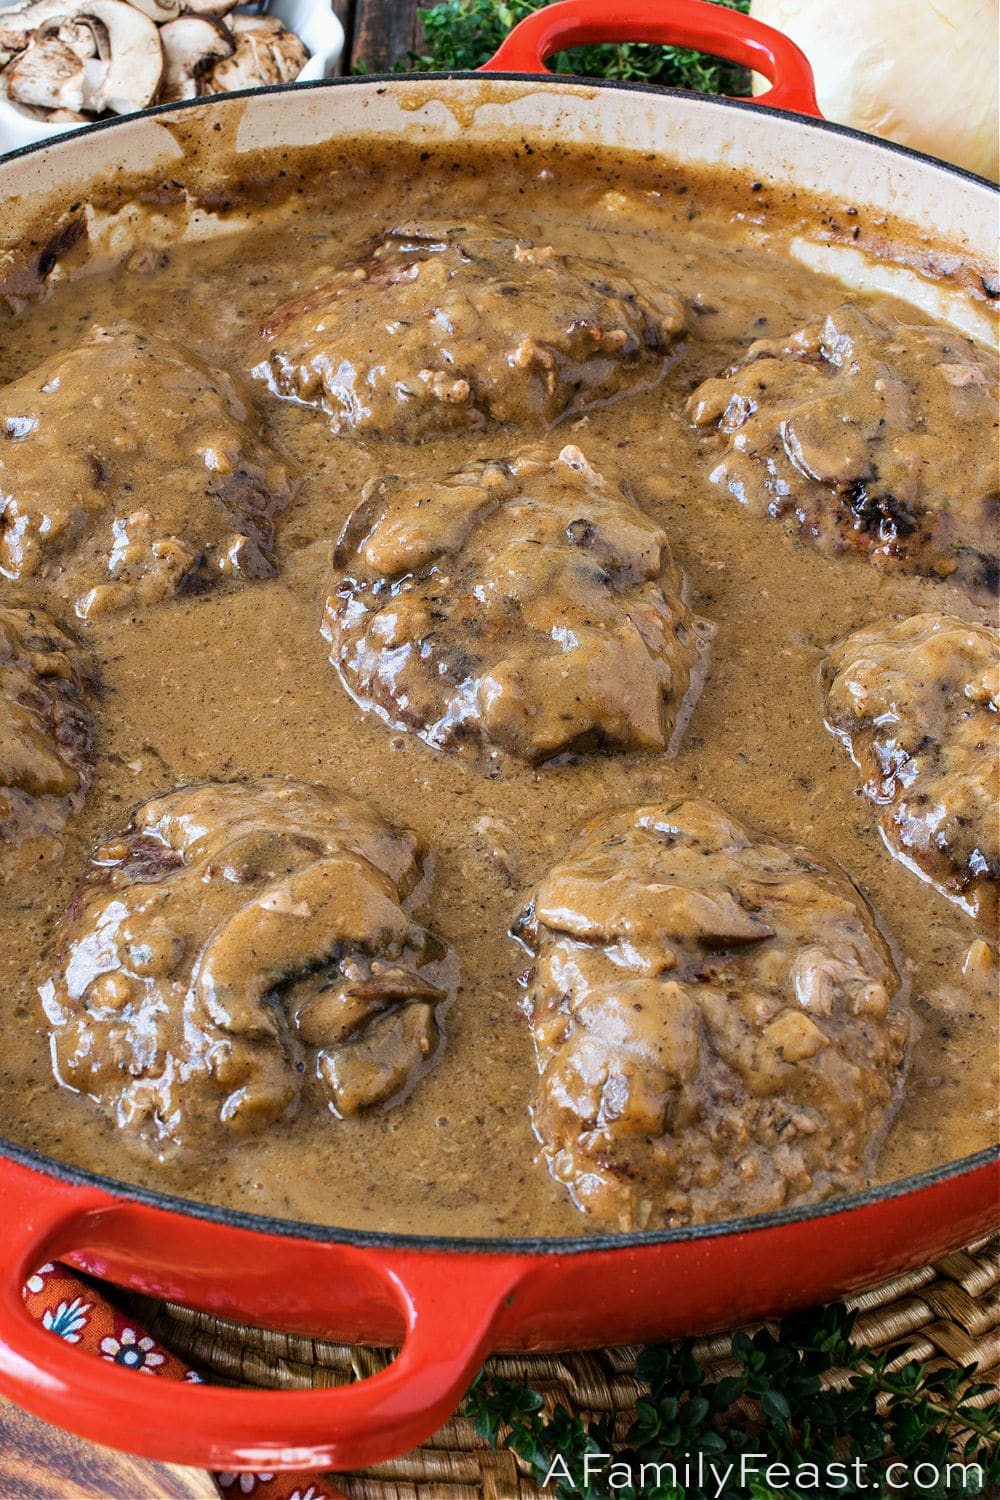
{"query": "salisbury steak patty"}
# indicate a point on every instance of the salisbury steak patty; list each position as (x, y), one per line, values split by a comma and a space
(867, 434)
(915, 701)
(45, 727)
(712, 1014)
(439, 328)
(240, 946)
(129, 469)
(521, 603)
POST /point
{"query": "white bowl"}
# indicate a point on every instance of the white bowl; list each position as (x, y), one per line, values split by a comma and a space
(312, 20)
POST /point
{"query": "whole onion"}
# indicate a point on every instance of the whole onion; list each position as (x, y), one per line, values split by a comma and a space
(921, 72)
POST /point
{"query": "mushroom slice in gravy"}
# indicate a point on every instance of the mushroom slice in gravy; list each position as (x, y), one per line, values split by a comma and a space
(715, 1017)
(131, 469)
(524, 604)
(242, 949)
(45, 729)
(867, 434)
(915, 702)
(445, 328)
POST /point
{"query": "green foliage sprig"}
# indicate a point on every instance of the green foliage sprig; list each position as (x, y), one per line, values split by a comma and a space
(460, 35)
(886, 1411)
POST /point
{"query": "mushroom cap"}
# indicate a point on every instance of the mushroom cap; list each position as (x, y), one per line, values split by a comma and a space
(136, 65)
(266, 52)
(191, 44)
(84, 35)
(209, 7)
(160, 11)
(46, 75)
(19, 22)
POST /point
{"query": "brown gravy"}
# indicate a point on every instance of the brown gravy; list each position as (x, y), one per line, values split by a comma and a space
(237, 684)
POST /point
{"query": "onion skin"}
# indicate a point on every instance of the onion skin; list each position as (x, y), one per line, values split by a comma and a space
(919, 72)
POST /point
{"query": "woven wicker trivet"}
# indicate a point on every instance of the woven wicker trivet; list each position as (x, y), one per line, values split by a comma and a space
(948, 1314)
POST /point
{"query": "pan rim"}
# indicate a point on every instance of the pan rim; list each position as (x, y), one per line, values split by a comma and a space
(536, 1246)
(559, 79)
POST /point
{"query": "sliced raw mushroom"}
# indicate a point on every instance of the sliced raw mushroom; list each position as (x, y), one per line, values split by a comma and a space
(118, 69)
(74, 59)
(47, 75)
(192, 45)
(160, 11)
(18, 24)
(86, 36)
(64, 63)
(215, 8)
(136, 63)
(266, 52)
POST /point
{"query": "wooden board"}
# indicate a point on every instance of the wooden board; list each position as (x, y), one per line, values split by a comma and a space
(344, 11)
(38, 1462)
(384, 32)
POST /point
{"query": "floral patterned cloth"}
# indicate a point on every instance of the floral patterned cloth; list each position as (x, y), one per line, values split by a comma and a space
(71, 1310)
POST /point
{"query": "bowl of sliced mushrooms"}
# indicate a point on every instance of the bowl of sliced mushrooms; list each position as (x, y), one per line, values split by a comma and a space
(66, 63)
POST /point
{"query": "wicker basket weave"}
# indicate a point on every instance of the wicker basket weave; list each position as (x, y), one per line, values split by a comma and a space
(947, 1314)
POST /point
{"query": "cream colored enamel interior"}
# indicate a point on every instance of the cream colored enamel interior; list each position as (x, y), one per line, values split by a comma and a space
(855, 269)
(836, 168)
(954, 219)
(31, 183)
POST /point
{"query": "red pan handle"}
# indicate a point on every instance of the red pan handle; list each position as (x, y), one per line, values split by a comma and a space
(449, 1314)
(683, 23)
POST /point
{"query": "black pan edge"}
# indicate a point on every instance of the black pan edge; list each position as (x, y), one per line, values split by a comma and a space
(366, 1239)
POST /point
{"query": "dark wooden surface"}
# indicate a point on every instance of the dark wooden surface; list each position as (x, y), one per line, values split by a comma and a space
(38, 1462)
(379, 32)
